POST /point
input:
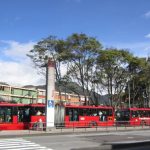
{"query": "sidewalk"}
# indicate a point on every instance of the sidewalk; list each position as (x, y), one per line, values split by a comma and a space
(54, 131)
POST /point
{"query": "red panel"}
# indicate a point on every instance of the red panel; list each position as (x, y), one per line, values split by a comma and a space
(37, 118)
(15, 119)
(89, 121)
(11, 126)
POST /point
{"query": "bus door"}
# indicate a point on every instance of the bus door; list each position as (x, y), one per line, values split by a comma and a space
(73, 114)
(144, 117)
(71, 117)
(37, 114)
(19, 111)
(122, 116)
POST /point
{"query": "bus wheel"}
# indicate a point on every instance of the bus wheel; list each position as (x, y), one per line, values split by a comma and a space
(92, 124)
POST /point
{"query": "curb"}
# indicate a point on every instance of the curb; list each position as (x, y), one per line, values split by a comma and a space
(119, 146)
(134, 145)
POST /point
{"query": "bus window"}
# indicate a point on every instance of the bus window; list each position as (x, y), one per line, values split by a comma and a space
(69, 112)
(26, 114)
(5, 114)
(38, 111)
(83, 112)
(20, 114)
(145, 113)
(104, 115)
(8, 112)
(148, 113)
(75, 114)
(94, 112)
(110, 112)
(91, 112)
(134, 114)
(122, 115)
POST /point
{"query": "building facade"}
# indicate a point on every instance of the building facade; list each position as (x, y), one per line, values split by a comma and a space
(34, 95)
(17, 94)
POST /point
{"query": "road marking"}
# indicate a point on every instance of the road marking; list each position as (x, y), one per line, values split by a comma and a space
(20, 144)
(130, 137)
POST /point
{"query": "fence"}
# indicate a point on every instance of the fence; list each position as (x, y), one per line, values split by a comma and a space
(87, 127)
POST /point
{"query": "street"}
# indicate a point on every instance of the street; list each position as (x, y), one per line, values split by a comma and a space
(88, 140)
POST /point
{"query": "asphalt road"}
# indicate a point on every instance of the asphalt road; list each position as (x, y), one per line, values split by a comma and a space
(89, 140)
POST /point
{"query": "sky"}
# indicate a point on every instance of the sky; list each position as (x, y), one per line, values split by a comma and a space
(115, 23)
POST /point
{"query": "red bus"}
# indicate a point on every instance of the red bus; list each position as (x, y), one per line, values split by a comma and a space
(20, 116)
(83, 116)
(26, 116)
(133, 116)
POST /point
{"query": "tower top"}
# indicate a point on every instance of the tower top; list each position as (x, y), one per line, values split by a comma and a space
(51, 63)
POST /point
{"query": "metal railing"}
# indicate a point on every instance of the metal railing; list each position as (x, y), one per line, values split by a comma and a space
(87, 127)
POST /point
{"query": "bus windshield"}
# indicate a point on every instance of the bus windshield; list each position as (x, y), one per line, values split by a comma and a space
(122, 115)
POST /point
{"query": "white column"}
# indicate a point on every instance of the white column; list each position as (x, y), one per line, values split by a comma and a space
(50, 90)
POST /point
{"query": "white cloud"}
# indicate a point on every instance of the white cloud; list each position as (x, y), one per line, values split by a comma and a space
(147, 36)
(16, 67)
(16, 50)
(147, 14)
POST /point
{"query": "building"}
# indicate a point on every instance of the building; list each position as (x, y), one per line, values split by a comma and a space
(17, 94)
(67, 98)
(33, 94)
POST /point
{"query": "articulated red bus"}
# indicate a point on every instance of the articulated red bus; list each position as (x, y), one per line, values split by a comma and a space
(20, 116)
(25, 116)
(133, 116)
(83, 116)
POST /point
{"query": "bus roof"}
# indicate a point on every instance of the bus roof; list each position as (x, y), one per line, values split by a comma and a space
(11, 104)
(37, 105)
(136, 109)
(90, 107)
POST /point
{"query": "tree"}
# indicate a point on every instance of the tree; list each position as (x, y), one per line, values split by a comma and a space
(111, 66)
(78, 52)
(140, 82)
(50, 47)
(96, 70)
(82, 52)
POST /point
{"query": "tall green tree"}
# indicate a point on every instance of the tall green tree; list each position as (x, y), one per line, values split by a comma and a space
(136, 69)
(112, 69)
(81, 61)
(139, 82)
(50, 47)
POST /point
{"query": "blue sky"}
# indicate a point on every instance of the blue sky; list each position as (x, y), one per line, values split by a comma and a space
(115, 23)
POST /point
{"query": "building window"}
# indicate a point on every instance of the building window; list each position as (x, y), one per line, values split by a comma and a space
(1, 88)
(12, 91)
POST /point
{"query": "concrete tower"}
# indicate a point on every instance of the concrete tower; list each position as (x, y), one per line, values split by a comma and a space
(50, 90)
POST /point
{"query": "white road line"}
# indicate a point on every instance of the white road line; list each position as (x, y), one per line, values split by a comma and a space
(20, 144)
(33, 148)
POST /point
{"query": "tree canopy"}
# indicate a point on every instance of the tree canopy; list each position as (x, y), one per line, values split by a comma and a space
(96, 70)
